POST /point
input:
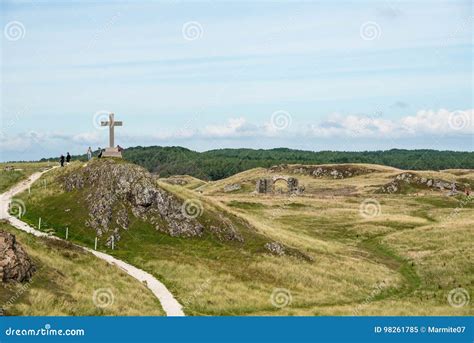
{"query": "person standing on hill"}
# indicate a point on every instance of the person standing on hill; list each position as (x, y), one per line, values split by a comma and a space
(100, 153)
(68, 158)
(89, 154)
(61, 160)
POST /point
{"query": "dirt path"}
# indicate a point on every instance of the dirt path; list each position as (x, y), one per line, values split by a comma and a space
(168, 302)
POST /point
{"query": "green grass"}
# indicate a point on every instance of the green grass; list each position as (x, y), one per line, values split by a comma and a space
(447, 202)
(402, 247)
(9, 178)
(246, 205)
(21, 171)
(382, 254)
(65, 282)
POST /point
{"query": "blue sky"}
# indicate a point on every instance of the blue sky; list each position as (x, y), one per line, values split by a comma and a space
(316, 75)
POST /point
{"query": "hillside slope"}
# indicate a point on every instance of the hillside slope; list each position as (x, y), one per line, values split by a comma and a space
(324, 251)
(68, 281)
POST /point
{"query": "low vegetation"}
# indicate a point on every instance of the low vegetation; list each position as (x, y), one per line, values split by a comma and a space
(369, 253)
(71, 282)
(12, 173)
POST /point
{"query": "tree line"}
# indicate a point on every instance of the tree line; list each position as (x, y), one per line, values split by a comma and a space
(221, 163)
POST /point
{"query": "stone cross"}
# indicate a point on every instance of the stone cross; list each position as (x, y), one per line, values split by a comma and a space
(111, 124)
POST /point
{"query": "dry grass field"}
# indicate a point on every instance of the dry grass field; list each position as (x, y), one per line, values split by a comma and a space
(406, 253)
(71, 282)
(13, 172)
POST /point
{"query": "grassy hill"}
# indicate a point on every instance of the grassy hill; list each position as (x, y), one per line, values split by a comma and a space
(403, 232)
(67, 279)
(370, 253)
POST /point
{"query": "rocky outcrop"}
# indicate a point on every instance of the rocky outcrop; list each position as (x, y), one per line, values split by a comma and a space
(278, 249)
(400, 183)
(275, 248)
(331, 171)
(232, 187)
(174, 180)
(226, 231)
(15, 264)
(117, 190)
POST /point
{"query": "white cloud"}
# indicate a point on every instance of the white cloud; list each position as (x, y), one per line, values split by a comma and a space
(235, 127)
(425, 122)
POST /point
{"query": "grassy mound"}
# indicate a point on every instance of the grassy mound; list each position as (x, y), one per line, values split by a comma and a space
(409, 182)
(67, 282)
(186, 181)
(361, 261)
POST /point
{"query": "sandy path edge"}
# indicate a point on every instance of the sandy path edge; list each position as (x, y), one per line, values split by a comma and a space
(170, 305)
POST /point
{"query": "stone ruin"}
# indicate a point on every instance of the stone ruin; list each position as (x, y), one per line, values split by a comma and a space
(267, 185)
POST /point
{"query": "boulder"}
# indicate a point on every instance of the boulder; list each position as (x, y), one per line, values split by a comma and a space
(15, 264)
(232, 187)
(275, 248)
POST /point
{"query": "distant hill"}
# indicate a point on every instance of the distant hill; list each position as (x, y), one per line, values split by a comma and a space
(222, 163)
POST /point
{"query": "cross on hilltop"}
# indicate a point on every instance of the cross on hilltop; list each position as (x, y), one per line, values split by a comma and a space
(112, 150)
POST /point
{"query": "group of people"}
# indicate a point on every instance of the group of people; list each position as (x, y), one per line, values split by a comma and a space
(66, 159)
(89, 153)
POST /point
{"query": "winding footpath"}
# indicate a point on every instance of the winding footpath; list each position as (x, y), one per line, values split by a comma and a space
(170, 305)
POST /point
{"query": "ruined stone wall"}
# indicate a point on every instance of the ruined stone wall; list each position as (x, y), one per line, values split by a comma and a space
(266, 185)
